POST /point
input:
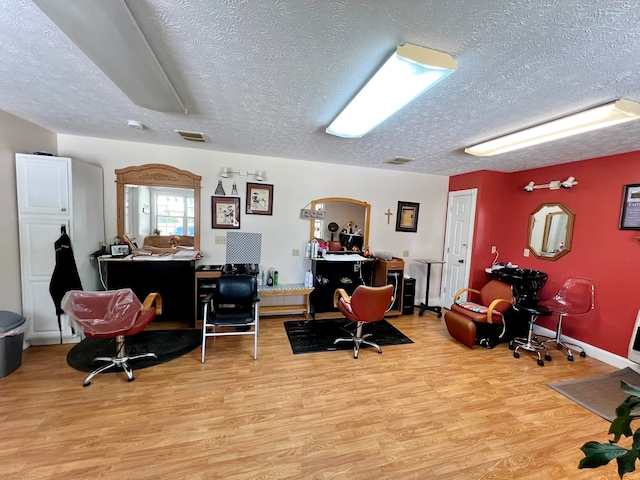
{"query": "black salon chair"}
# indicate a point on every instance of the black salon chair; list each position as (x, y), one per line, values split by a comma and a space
(531, 343)
(233, 308)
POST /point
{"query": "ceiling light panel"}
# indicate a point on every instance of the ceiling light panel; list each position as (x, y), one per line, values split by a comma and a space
(603, 116)
(408, 73)
(107, 33)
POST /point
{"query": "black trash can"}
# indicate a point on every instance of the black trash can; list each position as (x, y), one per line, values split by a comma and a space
(11, 345)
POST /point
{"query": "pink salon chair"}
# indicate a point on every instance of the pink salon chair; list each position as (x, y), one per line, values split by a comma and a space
(112, 314)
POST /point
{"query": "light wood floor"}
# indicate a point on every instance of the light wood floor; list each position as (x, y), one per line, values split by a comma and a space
(432, 409)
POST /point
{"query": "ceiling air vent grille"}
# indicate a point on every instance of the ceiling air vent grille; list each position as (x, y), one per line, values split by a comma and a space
(399, 161)
(193, 136)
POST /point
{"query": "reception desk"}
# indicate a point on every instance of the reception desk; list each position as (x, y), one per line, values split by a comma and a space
(173, 279)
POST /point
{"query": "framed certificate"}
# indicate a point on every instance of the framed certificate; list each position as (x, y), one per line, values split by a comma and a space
(407, 217)
(630, 211)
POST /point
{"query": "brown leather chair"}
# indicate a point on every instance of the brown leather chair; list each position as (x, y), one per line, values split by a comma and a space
(484, 308)
(366, 305)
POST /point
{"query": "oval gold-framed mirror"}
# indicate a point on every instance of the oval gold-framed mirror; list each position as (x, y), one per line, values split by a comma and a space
(342, 211)
(156, 199)
(551, 231)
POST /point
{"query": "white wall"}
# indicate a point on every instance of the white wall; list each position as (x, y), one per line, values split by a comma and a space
(16, 136)
(296, 184)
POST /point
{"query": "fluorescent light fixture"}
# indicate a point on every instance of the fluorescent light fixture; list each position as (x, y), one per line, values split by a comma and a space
(607, 115)
(404, 76)
(109, 35)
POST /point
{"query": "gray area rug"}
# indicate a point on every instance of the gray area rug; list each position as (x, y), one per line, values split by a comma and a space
(601, 394)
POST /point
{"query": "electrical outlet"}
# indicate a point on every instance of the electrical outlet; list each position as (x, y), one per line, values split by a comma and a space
(494, 249)
(526, 252)
(221, 240)
(295, 252)
(405, 253)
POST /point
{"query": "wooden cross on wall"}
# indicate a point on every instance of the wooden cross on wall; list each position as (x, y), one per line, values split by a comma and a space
(388, 214)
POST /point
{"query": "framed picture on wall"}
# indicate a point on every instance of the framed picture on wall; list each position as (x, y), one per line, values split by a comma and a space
(407, 217)
(259, 199)
(225, 212)
(630, 211)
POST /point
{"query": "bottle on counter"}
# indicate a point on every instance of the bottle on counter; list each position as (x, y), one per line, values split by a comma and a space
(275, 278)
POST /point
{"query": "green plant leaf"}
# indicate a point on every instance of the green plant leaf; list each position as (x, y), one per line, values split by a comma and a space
(621, 425)
(636, 441)
(597, 454)
(630, 389)
(627, 462)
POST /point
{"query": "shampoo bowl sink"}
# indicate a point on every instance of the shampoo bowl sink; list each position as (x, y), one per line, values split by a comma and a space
(527, 283)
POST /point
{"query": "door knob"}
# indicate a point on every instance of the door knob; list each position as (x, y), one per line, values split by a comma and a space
(460, 261)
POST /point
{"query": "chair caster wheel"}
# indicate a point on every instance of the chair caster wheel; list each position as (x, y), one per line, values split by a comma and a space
(86, 384)
(439, 315)
(541, 363)
(512, 346)
(379, 353)
(570, 358)
(131, 379)
(516, 355)
(582, 354)
(547, 357)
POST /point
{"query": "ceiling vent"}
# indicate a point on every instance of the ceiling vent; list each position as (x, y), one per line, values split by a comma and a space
(399, 161)
(193, 136)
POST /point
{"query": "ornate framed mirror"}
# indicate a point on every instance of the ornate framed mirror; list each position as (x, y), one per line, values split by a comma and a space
(342, 211)
(550, 231)
(157, 199)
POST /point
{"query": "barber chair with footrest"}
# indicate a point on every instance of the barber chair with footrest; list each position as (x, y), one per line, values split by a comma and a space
(481, 319)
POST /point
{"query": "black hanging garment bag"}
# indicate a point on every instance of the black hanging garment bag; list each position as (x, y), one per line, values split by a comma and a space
(65, 274)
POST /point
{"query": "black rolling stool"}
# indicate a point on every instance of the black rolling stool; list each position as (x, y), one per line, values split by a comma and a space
(531, 344)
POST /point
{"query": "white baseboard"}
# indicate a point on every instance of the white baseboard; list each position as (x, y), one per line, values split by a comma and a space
(593, 352)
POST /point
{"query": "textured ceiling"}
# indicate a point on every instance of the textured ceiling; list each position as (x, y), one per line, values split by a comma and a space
(266, 77)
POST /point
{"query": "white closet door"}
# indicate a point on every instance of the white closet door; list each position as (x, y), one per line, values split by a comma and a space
(38, 260)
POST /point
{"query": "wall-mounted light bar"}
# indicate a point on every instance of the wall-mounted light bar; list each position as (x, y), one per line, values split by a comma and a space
(599, 117)
(553, 185)
(227, 172)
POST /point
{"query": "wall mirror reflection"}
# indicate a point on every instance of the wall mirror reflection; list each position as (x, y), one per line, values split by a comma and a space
(550, 231)
(346, 221)
(157, 202)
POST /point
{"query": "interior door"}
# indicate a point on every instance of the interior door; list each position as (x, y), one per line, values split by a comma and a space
(459, 242)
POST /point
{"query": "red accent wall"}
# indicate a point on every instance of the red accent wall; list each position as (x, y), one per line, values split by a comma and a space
(600, 251)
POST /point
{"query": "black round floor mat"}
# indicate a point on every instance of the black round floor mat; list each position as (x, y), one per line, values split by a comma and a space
(166, 344)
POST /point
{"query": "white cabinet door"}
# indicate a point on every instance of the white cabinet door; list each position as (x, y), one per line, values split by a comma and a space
(38, 260)
(43, 185)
